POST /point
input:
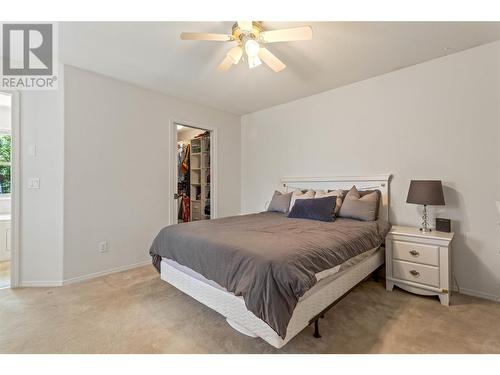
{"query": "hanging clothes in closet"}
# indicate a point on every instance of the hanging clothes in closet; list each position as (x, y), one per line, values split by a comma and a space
(183, 163)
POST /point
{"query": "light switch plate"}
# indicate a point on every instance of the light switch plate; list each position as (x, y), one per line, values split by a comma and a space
(32, 150)
(33, 183)
(103, 246)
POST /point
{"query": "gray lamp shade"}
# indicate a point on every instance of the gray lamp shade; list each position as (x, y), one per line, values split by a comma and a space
(428, 192)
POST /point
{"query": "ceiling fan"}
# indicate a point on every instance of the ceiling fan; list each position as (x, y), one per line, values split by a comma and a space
(251, 38)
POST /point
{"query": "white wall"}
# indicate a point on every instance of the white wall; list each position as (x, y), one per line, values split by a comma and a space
(41, 216)
(436, 120)
(116, 168)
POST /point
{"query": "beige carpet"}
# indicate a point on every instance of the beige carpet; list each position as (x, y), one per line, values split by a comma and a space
(4, 274)
(135, 312)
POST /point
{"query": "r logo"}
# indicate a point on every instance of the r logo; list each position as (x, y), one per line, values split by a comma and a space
(27, 49)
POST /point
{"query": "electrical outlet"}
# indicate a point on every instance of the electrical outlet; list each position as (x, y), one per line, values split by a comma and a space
(103, 246)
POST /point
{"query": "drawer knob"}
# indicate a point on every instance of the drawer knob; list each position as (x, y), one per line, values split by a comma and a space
(415, 253)
(415, 273)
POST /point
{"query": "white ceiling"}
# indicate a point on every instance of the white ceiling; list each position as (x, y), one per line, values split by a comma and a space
(152, 55)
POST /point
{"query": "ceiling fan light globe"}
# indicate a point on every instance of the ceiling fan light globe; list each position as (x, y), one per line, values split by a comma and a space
(253, 61)
(252, 48)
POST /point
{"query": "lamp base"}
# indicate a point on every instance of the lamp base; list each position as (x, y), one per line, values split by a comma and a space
(425, 228)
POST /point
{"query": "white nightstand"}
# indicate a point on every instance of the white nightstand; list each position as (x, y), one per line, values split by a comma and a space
(419, 262)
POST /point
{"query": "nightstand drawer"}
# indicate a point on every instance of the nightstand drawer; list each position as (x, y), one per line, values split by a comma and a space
(414, 252)
(417, 273)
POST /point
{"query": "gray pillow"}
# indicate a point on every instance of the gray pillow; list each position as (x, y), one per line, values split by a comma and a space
(314, 209)
(280, 202)
(360, 206)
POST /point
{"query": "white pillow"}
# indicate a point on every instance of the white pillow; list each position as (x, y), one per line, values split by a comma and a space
(298, 194)
(337, 193)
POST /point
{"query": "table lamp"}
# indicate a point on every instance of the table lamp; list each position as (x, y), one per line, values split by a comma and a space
(426, 192)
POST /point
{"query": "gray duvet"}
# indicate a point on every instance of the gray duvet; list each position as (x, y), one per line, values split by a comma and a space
(267, 258)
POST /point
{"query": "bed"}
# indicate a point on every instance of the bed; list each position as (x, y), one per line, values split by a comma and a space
(269, 275)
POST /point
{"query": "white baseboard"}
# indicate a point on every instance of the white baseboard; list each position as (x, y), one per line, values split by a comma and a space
(105, 272)
(475, 293)
(51, 284)
(40, 284)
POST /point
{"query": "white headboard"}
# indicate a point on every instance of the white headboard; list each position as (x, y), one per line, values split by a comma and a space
(376, 182)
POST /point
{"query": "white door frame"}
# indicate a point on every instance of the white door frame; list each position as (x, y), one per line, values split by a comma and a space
(15, 187)
(214, 202)
(15, 195)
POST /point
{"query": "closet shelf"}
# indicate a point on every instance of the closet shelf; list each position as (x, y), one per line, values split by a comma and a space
(200, 172)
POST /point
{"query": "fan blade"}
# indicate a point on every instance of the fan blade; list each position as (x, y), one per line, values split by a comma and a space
(272, 61)
(245, 25)
(287, 35)
(235, 54)
(207, 36)
(225, 64)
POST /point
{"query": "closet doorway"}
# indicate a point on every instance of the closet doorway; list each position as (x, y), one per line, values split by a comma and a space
(194, 190)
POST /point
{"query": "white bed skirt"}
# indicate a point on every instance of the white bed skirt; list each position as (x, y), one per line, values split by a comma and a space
(312, 303)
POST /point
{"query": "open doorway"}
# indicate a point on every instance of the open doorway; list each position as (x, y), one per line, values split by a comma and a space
(194, 174)
(5, 188)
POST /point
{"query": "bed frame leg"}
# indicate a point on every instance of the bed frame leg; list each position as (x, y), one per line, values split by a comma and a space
(321, 315)
(316, 329)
